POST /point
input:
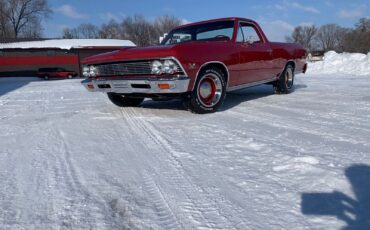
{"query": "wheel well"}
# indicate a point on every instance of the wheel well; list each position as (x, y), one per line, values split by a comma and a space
(219, 66)
(291, 63)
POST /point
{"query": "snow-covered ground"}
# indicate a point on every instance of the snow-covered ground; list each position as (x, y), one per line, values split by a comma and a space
(69, 159)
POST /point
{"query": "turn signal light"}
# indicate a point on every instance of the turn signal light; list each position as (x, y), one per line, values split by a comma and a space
(164, 86)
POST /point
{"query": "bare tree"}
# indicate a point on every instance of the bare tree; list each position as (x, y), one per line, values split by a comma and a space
(135, 28)
(33, 30)
(139, 31)
(363, 25)
(88, 31)
(68, 33)
(164, 24)
(24, 13)
(329, 37)
(4, 24)
(112, 30)
(83, 31)
(304, 35)
(357, 40)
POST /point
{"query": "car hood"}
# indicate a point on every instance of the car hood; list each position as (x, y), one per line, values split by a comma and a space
(131, 54)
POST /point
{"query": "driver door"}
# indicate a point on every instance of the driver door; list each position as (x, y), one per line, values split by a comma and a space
(255, 55)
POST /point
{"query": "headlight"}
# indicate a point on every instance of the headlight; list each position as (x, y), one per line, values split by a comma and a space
(164, 66)
(93, 71)
(157, 67)
(169, 67)
(86, 71)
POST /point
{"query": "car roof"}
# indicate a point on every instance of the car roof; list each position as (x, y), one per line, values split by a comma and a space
(217, 20)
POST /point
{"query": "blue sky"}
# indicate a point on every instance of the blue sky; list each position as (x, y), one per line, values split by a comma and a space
(277, 18)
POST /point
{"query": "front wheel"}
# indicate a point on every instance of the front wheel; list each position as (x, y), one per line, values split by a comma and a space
(209, 92)
(284, 84)
(124, 101)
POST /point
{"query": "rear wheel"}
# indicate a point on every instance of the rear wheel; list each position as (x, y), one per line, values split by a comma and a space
(70, 76)
(285, 82)
(209, 92)
(124, 101)
(46, 77)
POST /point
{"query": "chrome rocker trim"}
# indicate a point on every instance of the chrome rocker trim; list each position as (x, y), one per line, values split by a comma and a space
(238, 87)
(127, 86)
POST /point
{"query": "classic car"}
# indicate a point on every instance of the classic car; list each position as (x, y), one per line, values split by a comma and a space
(48, 73)
(198, 63)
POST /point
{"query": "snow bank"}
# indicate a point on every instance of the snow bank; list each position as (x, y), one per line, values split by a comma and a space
(345, 63)
(67, 44)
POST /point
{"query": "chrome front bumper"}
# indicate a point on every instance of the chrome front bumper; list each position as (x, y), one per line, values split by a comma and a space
(146, 85)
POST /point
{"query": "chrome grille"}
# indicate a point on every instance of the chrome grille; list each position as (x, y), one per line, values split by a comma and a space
(128, 68)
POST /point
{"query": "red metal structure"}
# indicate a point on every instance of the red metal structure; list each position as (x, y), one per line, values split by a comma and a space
(198, 62)
(26, 58)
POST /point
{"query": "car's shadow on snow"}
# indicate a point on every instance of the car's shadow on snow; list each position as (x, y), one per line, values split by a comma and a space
(355, 212)
(237, 97)
(171, 104)
(232, 99)
(8, 84)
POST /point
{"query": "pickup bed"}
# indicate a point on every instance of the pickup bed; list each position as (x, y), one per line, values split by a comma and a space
(198, 63)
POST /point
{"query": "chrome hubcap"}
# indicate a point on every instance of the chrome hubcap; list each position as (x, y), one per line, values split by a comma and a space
(205, 89)
(209, 90)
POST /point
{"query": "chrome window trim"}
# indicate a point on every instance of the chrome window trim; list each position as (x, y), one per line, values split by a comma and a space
(254, 25)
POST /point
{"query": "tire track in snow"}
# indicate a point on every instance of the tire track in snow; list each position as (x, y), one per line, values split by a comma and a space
(166, 216)
(80, 207)
(164, 210)
(348, 120)
(295, 125)
(201, 207)
(8, 191)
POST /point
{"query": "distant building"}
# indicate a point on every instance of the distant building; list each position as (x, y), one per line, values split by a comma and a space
(25, 58)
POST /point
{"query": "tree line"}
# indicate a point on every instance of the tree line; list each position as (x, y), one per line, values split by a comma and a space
(334, 37)
(22, 19)
(134, 28)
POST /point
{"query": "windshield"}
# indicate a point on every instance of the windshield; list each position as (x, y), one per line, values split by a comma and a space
(222, 30)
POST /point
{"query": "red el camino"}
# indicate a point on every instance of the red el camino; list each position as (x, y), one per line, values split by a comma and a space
(198, 63)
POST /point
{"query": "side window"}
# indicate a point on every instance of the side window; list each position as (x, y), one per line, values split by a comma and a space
(247, 33)
(240, 37)
(179, 38)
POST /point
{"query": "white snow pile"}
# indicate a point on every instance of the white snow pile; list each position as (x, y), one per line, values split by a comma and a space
(344, 63)
(67, 44)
